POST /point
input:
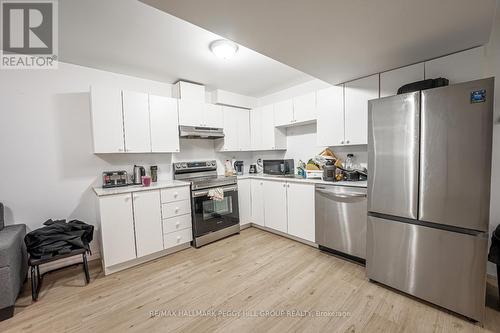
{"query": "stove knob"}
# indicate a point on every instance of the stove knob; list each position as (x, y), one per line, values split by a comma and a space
(213, 163)
(184, 165)
(208, 164)
(177, 166)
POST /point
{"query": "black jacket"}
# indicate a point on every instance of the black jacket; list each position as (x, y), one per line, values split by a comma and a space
(494, 255)
(59, 237)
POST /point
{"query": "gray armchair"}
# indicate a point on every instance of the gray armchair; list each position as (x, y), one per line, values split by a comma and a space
(13, 264)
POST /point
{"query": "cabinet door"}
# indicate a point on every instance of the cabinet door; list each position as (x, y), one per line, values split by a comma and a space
(230, 129)
(148, 225)
(283, 113)
(357, 95)
(191, 113)
(117, 229)
(301, 217)
(330, 109)
(107, 120)
(245, 201)
(214, 116)
(268, 128)
(136, 122)
(164, 124)
(275, 211)
(257, 191)
(304, 108)
(244, 137)
(459, 67)
(256, 129)
(391, 81)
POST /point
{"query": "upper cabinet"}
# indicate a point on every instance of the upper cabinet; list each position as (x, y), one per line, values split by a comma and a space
(304, 108)
(236, 130)
(299, 110)
(193, 109)
(458, 67)
(107, 119)
(136, 122)
(330, 113)
(283, 113)
(264, 135)
(133, 122)
(163, 122)
(357, 95)
(391, 81)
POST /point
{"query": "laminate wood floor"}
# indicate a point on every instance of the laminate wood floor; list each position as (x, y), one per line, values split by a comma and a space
(255, 277)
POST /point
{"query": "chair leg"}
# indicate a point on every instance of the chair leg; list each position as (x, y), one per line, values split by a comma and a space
(86, 268)
(34, 280)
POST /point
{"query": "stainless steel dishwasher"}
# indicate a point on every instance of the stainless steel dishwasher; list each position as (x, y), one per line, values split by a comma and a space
(341, 220)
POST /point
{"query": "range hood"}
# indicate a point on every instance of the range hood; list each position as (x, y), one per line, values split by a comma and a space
(196, 132)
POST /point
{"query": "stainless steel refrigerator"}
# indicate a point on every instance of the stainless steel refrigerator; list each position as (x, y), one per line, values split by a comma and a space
(429, 162)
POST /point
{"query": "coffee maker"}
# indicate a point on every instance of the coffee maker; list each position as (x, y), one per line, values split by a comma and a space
(238, 167)
(139, 171)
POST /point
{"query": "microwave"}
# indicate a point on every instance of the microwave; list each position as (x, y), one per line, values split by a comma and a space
(278, 167)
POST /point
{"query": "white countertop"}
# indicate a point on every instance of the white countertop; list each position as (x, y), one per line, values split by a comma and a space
(99, 191)
(304, 180)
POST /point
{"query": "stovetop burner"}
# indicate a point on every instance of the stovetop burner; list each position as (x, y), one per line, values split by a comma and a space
(202, 174)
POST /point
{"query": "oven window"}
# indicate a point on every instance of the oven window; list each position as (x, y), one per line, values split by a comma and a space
(214, 209)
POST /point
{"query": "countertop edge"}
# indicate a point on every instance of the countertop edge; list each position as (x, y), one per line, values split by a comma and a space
(101, 192)
(359, 184)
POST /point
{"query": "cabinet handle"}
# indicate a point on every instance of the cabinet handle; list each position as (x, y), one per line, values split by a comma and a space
(342, 142)
(177, 223)
(120, 149)
(176, 209)
(176, 194)
(347, 141)
(178, 238)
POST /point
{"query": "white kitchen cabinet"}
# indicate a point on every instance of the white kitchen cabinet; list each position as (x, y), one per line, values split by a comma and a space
(300, 208)
(304, 108)
(391, 81)
(275, 205)
(136, 122)
(245, 201)
(236, 130)
(283, 113)
(213, 116)
(458, 67)
(164, 124)
(117, 229)
(256, 129)
(107, 119)
(263, 134)
(147, 220)
(191, 113)
(357, 94)
(330, 113)
(189, 91)
(257, 199)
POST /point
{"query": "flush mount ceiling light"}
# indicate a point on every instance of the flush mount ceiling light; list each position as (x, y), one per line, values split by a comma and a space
(223, 48)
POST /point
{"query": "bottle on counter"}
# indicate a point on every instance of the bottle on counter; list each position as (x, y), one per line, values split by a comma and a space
(154, 173)
(348, 164)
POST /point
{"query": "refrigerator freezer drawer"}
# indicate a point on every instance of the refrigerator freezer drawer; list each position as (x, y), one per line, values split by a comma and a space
(393, 143)
(442, 267)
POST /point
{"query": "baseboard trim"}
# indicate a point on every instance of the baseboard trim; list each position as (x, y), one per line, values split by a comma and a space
(297, 239)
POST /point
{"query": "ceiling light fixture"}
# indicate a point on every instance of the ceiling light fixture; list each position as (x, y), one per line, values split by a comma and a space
(223, 48)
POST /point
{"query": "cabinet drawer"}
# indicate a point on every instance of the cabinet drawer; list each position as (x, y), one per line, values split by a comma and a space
(176, 223)
(177, 208)
(178, 237)
(175, 194)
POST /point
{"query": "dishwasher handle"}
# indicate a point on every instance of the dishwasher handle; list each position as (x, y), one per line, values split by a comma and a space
(341, 195)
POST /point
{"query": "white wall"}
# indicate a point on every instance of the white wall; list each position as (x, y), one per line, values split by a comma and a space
(47, 164)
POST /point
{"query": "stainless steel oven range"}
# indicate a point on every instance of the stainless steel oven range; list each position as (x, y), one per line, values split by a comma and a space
(214, 201)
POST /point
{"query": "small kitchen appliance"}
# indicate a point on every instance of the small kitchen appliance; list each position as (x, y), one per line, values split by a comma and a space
(253, 168)
(114, 179)
(139, 171)
(329, 171)
(279, 167)
(238, 167)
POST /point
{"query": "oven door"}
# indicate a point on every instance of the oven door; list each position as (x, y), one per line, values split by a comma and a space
(212, 215)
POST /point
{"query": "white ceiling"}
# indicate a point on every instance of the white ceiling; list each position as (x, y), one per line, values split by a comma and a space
(339, 40)
(129, 37)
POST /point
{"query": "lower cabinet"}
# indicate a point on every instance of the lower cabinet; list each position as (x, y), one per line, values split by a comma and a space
(245, 201)
(117, 229)
(257, 199)
(148, 225)
(132, 226)
(275, 212)
(301, 211)
(287, 207)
